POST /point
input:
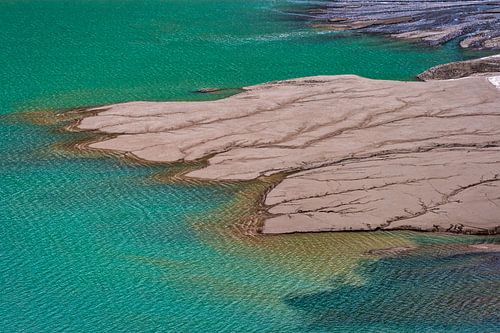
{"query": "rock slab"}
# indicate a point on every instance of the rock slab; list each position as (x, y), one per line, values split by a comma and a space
(358, 154)
(460, 69)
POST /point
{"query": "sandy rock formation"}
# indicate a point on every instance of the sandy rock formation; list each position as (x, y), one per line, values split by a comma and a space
(359, 154)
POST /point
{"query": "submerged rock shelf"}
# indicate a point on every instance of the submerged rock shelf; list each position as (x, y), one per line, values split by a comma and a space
(356, 154)
(432, 22)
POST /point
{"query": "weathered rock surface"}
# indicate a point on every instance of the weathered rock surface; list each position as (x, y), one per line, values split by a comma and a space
(460, 69)
(359, 154)
(432, 22)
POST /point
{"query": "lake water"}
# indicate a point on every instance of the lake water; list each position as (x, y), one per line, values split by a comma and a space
(92, 243)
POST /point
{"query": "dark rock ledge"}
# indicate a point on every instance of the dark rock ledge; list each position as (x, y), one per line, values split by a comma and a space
(460, 69)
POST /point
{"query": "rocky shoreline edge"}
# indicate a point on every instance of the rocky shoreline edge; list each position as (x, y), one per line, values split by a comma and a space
(351, 154)
(475, 23)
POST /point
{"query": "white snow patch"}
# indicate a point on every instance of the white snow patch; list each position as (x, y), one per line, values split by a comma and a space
(495, 80)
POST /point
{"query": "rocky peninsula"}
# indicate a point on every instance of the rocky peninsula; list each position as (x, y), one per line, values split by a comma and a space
(475, 22)
(354, 153)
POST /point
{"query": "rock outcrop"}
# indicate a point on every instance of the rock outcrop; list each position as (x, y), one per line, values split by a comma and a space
(357, 154)
(460, 69)
(431, 22)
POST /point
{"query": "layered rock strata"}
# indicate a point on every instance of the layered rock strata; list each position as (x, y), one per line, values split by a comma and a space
(460, 69)
(476, 22)
(357, 154)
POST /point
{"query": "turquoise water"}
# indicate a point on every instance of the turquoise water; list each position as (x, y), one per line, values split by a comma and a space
(98, 244)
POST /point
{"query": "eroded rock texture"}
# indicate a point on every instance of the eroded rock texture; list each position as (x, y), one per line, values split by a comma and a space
(359, 154)
(432, 22)
(460, 69)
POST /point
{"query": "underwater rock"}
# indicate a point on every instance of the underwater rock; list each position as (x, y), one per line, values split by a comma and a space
(208, 90)
(391, 251)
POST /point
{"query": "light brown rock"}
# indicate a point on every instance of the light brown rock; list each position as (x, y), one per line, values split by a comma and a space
(360, 154)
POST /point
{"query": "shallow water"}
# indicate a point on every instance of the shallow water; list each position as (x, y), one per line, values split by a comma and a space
(96, 243)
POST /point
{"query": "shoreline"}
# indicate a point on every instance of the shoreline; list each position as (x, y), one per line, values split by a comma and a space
(304, 200)
(476, 24)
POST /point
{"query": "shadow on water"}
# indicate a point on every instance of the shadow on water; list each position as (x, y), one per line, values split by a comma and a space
(424, 291)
